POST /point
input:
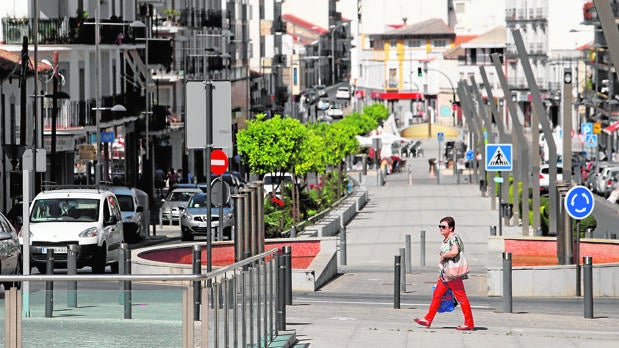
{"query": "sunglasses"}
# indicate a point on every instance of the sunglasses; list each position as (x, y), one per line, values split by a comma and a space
(442, 226)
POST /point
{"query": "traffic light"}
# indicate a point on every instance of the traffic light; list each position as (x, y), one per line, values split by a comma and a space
(419, 72)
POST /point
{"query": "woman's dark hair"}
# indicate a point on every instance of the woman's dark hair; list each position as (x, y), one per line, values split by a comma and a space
(450, 221)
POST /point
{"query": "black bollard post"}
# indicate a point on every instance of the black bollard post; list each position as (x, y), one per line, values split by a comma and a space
(49, 285)
(121, 270)
(422, 248)
(343, 245)
(507, 282)
(403, 269)
(587, 270)
(493, 230)
(396, 282)
(288, 264)
(127, 285)
(407, 247)
(281, 296)
(196, 269)
(72, 270)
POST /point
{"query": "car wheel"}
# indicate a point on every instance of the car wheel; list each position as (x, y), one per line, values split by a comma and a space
(186, 236)
(228, 232)
(41, 268)
(114, 267)
(8, 285)
(100, 261)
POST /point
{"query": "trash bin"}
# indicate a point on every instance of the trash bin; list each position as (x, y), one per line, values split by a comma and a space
(483, 186)
(506, 210)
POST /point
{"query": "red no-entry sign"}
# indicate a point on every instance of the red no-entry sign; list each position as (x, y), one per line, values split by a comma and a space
(219, 162)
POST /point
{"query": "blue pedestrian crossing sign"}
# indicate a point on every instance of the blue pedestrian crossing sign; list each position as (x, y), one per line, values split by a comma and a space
(579, 202)
(498, 157)
(440, 136)
(591, 140)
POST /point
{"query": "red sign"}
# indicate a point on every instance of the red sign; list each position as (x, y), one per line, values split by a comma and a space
(219, 162)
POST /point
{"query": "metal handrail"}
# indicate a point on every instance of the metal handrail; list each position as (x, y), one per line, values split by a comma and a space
(139, 277)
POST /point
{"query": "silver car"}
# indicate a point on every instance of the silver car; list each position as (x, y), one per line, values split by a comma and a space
(194, 219)
(177, 198)
(10, 252)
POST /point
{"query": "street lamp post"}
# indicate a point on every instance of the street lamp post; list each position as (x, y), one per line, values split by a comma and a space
(333, 29)
(98, 164)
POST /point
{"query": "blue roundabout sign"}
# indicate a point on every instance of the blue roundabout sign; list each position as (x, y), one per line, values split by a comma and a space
(579, 202)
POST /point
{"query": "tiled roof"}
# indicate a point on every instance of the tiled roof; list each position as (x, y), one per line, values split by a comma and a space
(302, 22)
(493, 36)
(454, 53)
(460, 39)
(8, 61)
(433, 26)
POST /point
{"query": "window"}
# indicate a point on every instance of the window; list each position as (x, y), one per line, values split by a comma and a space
(439, 43)
(393, 78)
(393, 43)
(413, 43)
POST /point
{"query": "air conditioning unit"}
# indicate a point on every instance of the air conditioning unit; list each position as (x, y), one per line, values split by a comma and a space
(16, 32)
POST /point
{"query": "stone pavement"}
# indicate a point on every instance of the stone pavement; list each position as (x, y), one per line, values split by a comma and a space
(356, 309)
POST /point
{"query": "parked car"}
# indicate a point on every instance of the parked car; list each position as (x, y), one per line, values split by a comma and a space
(342, 93)
(90, 218)
(10, 252)
(310, 95)
(594, 172)
(335, 112)
(323, 104)
(458, 146)
(135, 223)
(603, 178)
(177, 198)
(612, 183)
(544, 177)
(194, 218)
(274, 182)
(321, 90)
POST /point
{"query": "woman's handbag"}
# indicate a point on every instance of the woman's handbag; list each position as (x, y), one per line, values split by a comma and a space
(456, 267)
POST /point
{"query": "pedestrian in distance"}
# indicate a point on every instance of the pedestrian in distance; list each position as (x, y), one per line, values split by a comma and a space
(451, 249)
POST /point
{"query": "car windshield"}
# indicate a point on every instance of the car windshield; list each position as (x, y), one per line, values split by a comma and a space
(65, 209)
(180, 196)
(200, 201)
(125, 202)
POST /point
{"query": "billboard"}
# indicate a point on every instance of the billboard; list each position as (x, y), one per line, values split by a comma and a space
(195, 119)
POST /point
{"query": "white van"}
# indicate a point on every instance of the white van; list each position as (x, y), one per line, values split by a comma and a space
(90, 218)
(275, 181)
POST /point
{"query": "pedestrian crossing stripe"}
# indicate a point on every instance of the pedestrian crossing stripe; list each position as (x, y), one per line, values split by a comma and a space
(498, 157)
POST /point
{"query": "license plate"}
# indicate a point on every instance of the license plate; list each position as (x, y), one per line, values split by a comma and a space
(57, 250)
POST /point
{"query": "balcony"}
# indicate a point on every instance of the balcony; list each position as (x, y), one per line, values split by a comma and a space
(71, 30)
(191, 17)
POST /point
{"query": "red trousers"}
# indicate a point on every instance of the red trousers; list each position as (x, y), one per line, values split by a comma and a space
(457, 287)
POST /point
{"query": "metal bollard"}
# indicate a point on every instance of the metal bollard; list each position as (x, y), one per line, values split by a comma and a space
(121, 270)
(407, 246)
(72, 269)
(281, 298)
(49, 285)
(422, 248)
(196, 268)
(403, 270)
(507, 282)
(587, 269)
(288, 281)
(396, 283)
(589, 233)
(293, 231)
(343, 245)
(127, 285)
(493, 230)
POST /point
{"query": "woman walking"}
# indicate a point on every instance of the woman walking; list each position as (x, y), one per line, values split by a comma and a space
(451, 248)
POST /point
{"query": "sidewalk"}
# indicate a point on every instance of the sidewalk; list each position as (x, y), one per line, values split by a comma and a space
(351, 316)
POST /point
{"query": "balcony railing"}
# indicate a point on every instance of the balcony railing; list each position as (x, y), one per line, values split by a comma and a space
(191, 17)
(71, 30)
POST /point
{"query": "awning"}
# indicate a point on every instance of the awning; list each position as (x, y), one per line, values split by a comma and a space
(613, 127)
(397, 95)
